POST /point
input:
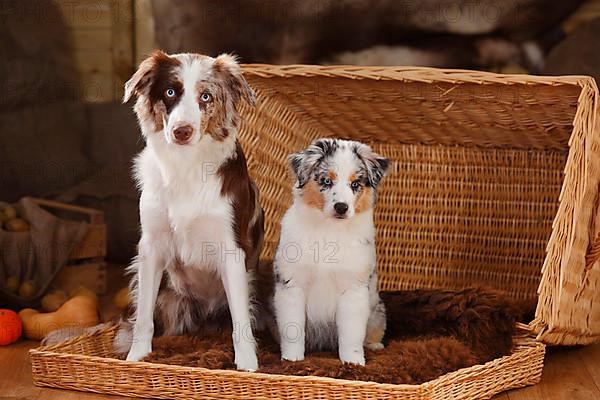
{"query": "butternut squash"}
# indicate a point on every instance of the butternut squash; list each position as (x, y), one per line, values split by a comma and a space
(121, 299)
(76, 313)
(83, 291)
(53, 300)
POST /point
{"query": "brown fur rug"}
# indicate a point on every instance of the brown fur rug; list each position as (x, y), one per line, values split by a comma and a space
(429, 334)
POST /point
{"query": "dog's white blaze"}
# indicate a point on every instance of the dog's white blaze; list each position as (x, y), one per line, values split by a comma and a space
(187, 111)
(344, 164)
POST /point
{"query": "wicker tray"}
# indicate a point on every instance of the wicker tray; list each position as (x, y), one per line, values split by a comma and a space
(83, 364)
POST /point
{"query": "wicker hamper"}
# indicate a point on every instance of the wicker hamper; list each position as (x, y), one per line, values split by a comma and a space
(495, 182)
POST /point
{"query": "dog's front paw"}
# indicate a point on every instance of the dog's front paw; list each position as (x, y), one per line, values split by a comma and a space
(246, 360)
(292, 351)
(374, 346)
(356, 356)
(139, 351)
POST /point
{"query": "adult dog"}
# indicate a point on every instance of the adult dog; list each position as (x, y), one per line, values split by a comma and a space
(201, 221)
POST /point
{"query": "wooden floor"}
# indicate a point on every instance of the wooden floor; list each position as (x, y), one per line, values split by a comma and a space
(569, 374)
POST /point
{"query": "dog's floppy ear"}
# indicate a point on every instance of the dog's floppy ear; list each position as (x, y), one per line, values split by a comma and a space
(142, 78)
(376, 165)
(227, 65)
(304, 162)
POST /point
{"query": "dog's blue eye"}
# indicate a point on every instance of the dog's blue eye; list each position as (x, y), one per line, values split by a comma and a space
(206, 97)
(355, 184)
(326, 182)
(170, 92)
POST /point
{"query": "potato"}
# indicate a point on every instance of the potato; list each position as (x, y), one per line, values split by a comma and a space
(7, 212)
(83, 291)
(53, 300)
(12, 284)
(28, 289)
(16, 225)
(121, 298)
(10, 212)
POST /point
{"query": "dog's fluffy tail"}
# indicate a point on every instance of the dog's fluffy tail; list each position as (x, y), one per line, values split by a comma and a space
(124, 337)
(68, 333)
(121, 344)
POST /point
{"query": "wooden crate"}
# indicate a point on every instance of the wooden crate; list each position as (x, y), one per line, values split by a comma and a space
(86, 264)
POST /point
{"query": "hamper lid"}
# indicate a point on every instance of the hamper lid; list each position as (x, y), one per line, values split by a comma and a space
(453, 108)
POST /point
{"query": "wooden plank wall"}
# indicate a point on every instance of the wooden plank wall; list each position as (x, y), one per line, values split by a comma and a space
(104, 35)
(145, 38)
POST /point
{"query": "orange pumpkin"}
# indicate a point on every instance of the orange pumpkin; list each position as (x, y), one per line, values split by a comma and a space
(10, 327)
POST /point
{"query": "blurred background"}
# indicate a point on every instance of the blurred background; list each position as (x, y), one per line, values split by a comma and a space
(65, 136)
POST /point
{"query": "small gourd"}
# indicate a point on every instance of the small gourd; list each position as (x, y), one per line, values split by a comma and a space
(78, 312)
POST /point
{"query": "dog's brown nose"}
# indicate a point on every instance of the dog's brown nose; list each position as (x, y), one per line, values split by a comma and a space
(183, 133)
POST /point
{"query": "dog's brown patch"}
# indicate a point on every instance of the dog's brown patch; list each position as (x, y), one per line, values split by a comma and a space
(227, 68)
(163, 77)
(248, 219)
(215, 121)
(365, 200)
(430, 333)
(145, 75)
(332, 175)
(222, 115)
(149, 83)
(312, 196)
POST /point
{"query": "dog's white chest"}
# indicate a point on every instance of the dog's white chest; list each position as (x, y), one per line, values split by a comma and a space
(324, 263)
(200, 223)
(340, 266)
(325, 250)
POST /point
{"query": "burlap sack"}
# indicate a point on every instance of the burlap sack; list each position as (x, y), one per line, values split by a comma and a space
(38, 254)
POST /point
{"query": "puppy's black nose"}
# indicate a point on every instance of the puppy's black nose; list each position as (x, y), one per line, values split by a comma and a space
(340, 208)
(183, 133)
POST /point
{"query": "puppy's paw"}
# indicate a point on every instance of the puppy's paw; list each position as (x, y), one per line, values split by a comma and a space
(291, 355)
(139, 351)
(374, 346)
(353, 356)
(246, 360)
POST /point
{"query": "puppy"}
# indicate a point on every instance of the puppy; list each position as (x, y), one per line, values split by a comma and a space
(202, 225)
(325, 265)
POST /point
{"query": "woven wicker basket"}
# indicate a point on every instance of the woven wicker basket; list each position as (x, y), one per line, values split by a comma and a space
(494, 182)
(494, 178)
(84, 364)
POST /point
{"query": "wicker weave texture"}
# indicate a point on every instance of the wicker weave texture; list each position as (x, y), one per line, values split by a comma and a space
(82, 364)
(493, 177)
